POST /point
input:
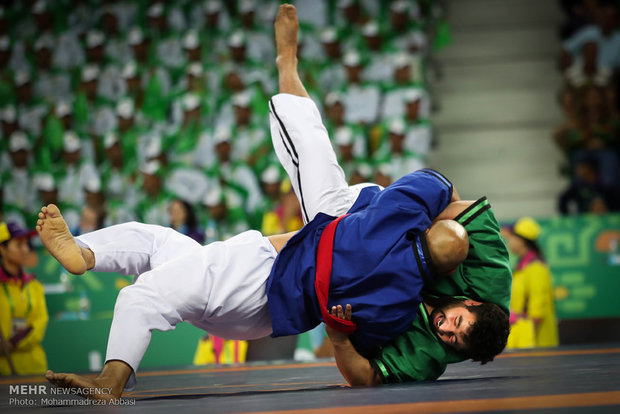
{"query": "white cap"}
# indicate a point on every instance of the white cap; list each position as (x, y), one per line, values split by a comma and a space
(222, 134)
(212, 6)
(237, 39)
(5, 42)
(401, 60)
(329, 35)
(399, 6)
(62, 109)
(71, 142)
(385, 169)
(130, 69)
(333, 97)
(370, 29)
(93, 184)
(190, 40)
(351, 58)
(156, 10)
(44, 182)
(39, 7)
(22, 77)
(413, 95)
(195, 69)
(9, 114)
(343, 136)
(90, 72)
(213, 196)
(241, 99)
(110, 139)
(150, 167)
(135, 36)
(191, 101)
(397, 126)
(271, 175)
(125, 108)
(45, 41)
(94, 38)
(153, 148)
(246, 6)
(19, 141)
(364, 169)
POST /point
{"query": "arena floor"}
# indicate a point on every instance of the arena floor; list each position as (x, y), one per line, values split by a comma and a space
(565, 380)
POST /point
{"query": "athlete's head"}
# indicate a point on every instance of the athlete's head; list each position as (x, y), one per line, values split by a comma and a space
(448, 245)
(478, 330)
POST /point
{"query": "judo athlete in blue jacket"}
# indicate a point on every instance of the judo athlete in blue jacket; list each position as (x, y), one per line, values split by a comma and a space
(376, 257)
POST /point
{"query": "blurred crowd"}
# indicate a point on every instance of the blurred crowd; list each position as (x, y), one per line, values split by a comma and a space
(589, 136)
(157, 111)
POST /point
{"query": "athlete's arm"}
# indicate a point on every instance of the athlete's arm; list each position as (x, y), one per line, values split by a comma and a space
(453, 209)
(354, 368)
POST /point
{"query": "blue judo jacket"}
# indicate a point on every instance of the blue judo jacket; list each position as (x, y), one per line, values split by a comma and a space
(380, 261)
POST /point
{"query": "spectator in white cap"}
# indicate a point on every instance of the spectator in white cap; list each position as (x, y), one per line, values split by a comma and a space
(8, 116)
(156, 17)
(399, 91)
(94, 199)
(43, 47)
(116, 169)
(350, 147)
(23, 86)
(192, 46)
(252, 142)
(32, 107)
(133, 81)
(89, 80)
(75, 171)
(331, 72)
(225, 214)
(17, 183)
(42, 16)
(360, 98)
(46, 186)
(64, 113)
(117, 179)
(379, 56)
(139, 44)
(229, 170)
(95, 42)
(125, 111)
(152, 199)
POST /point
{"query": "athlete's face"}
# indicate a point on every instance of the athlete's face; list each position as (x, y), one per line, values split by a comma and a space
(452, 322)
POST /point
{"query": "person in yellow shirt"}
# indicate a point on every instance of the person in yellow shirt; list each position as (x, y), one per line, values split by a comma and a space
(23, 313)
(532, 310)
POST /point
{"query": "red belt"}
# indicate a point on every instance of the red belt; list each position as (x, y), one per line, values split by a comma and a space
(324, 258)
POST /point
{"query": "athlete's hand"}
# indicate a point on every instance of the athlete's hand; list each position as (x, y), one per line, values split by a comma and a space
(337, 311)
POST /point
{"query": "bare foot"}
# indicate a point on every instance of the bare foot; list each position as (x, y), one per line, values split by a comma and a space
(94, 388)
(286, 27)
(56, 236)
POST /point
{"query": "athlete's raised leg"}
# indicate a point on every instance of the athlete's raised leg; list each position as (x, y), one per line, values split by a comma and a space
(300, 140)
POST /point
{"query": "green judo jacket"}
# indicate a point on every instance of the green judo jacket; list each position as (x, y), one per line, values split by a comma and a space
(419, 354)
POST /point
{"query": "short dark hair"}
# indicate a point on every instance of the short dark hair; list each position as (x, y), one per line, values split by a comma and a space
(488, 335)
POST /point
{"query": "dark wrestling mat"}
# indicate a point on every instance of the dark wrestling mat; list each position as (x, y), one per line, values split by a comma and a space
(565, 380)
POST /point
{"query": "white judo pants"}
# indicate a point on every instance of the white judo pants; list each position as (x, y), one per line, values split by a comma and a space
(220, 288)
(303, 147)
